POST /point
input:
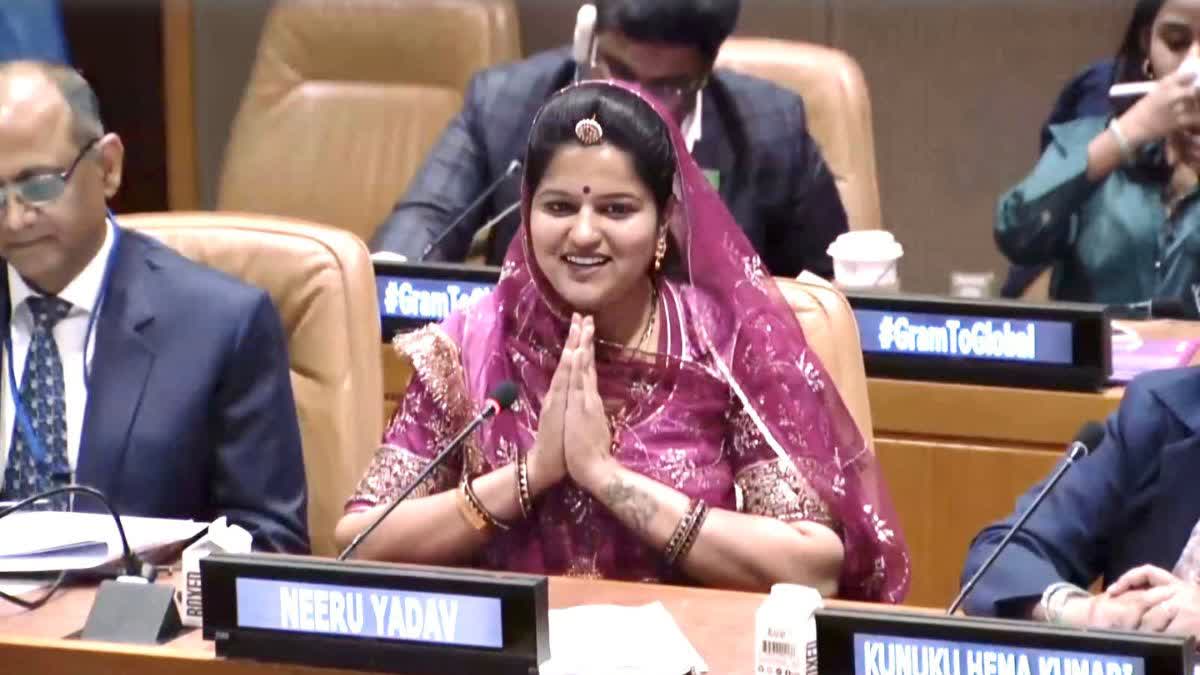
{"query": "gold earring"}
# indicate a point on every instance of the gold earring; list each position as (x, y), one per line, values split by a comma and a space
(659, 252)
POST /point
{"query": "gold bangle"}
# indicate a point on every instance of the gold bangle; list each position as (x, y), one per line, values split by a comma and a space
(477, 506)
(469, 514)
(524, 497)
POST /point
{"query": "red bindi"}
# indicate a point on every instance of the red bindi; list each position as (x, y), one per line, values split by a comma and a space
(587, 190)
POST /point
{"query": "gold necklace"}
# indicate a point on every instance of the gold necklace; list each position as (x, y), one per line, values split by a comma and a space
(651, 320)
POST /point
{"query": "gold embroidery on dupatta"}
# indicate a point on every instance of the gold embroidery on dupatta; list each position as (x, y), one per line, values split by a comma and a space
(435, 360)
(770, 487)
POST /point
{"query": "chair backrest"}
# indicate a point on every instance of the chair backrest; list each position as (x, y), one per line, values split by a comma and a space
(838, 106)
(346, 99)
(824, 314)
(321, 282)
(831, 331)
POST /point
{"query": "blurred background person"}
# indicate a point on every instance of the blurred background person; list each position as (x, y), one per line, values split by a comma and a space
(1111, 205)
(1086, 95)
(750, 137)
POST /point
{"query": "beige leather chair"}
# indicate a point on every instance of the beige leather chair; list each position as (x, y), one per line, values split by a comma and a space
(831, 331)
(838, 106)
(824, 314)
(322, 283)
(347, 97)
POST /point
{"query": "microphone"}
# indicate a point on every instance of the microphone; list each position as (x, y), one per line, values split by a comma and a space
(131, 609)
(1086, 440)
(513, 167)
(1156, 308)
(501, 398)
(502, 215)
(583, 44)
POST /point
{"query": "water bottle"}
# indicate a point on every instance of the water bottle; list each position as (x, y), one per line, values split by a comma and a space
(785, 633)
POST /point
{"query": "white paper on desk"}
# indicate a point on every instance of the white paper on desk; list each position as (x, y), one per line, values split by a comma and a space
(43, 541)
(594, 639)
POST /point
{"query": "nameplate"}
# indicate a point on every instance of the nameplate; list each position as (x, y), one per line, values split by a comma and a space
(984, 341)
(885, 643)
(414, 294)
(372, 616)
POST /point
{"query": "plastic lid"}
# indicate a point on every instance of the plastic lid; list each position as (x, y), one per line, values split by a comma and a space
(796, 594)
(866, 245)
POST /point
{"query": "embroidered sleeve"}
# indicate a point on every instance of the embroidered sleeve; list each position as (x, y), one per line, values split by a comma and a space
(435, 405)
(769, 487)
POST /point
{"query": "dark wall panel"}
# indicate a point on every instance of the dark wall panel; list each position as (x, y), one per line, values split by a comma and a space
(117, 44)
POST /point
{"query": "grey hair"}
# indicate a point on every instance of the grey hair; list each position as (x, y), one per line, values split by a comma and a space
(86, 124)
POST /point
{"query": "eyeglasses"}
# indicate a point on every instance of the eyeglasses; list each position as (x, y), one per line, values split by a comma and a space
(43, 188)
(673, 92)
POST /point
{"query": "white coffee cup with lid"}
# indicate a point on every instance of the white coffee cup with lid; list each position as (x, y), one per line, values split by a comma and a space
(866, 260)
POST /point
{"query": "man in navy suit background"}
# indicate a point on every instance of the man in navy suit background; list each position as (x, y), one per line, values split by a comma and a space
(32, 29)
(128, 368)
(1127, 514)
(749, 136)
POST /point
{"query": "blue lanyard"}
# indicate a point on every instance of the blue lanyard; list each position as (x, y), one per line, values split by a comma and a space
(22, 416)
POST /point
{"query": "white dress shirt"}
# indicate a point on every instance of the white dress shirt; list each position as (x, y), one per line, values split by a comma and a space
(69, 335)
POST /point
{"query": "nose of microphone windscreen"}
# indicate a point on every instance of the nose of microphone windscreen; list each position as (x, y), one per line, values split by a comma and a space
(585, 26)
(1090, 435)
(505, 394)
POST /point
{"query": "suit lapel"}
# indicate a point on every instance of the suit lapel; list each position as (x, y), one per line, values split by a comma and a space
(121, 364)
(1176, 495)
(1178, 499)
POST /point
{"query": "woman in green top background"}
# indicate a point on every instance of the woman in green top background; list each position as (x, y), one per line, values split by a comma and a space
(1112, 203)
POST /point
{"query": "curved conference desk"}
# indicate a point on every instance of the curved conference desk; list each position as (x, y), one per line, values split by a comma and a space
(720, 624)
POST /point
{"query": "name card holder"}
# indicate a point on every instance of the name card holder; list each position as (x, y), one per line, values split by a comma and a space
(413, 294)
(373, 616)
(991, 342)
(862, 642)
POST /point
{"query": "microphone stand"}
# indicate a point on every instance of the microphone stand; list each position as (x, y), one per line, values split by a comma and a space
(131, 609)
(1076, 452)
(491, 409)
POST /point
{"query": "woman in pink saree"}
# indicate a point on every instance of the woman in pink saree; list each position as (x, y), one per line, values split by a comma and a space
(671, 423)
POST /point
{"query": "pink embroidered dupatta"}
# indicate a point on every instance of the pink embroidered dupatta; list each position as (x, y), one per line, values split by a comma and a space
(733, 396)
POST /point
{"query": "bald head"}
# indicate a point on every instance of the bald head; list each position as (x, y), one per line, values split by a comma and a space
(36, 93)
(58, 169)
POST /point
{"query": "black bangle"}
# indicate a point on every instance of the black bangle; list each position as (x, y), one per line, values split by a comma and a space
(693, 531)
(684, 536)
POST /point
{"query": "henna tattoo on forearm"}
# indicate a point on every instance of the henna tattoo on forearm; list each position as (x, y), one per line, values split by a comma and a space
(631, 505)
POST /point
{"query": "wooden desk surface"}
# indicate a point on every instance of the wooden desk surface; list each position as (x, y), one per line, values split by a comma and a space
(719, 623)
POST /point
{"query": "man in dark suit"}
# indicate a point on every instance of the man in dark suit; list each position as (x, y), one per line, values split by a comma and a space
(749, 135)
(1127, 514)
(160, 382)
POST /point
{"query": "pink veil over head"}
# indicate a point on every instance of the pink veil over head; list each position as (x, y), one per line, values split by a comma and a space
(751, 337)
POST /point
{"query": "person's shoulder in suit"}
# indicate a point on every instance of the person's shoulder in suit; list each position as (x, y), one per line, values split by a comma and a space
(1158, 408)
(225, 337)
(498, 96)
(188, 288)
